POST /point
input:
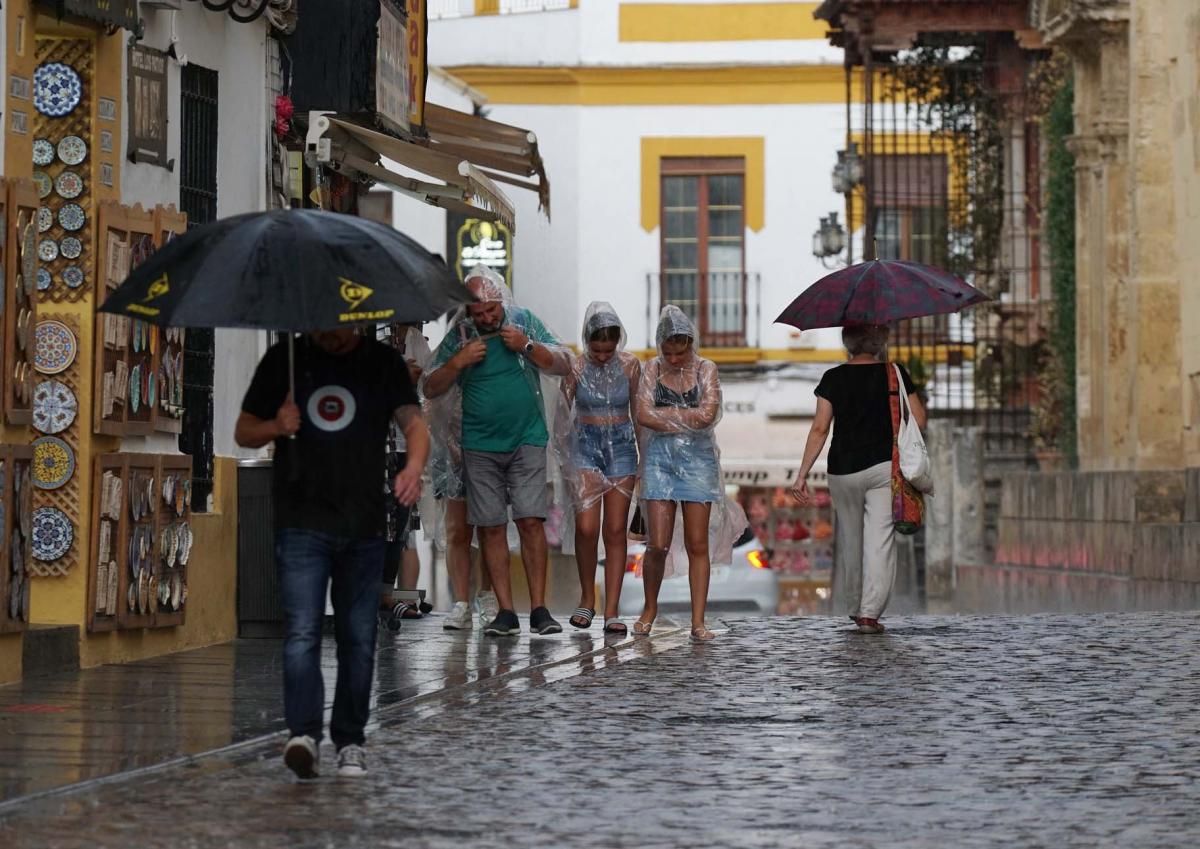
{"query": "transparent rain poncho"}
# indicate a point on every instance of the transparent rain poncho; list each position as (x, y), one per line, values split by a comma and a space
(678, 407)
(445, 412)
(595, 437)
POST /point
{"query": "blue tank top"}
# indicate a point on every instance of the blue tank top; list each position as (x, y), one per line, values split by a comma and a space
(602, 390)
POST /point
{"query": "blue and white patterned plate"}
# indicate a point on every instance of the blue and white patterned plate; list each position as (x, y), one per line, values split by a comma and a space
(43, 152)
(54, 407)
(71, 247)
(71, 217)
(69, 185)
(52, 533)
(44, 280)
(44, 184)
(45, 218)
(57, 89)
(73, 276)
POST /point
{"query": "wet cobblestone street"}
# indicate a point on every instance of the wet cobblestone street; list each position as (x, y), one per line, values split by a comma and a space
(947, 731)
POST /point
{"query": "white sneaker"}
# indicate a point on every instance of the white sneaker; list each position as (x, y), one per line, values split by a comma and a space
(486, 607)
(352, 762)
(302, 755)
(459, 618)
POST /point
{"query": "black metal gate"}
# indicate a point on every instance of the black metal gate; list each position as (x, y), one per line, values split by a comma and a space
(949, 138)
(198, 198)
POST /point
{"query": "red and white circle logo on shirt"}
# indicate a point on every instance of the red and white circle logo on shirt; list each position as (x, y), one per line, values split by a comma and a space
(331, 408)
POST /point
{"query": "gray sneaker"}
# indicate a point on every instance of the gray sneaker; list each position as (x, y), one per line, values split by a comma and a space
(352, 762)
(459, 618)
(302, 754)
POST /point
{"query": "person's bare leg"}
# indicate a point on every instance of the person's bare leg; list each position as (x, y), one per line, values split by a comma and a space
(616, 544)
(535, 555)
(660, 526)
(494, 542)
(458, 549)
(410, 570)
(695, 539)
(587, 539)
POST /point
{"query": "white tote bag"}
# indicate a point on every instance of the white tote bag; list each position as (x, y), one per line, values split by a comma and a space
(914, 458)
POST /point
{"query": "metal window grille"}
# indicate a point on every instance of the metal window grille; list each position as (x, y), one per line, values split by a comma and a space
(198, 198)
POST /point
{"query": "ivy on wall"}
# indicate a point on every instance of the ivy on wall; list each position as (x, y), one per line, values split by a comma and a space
(1058, 426)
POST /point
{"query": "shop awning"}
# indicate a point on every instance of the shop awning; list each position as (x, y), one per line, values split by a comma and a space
(506, 154)
(342, 145)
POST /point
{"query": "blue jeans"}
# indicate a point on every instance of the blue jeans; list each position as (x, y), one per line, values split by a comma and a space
(306, 561)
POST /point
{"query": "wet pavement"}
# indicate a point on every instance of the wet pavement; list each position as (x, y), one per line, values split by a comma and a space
(63, 729)
(947, 731)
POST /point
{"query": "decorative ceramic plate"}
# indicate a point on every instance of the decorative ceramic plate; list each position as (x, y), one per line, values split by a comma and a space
(43, 153)
(27, 284)
(52, 533)
(71, 247)
(73, 276)
(47, 250)
(72, 217)
(44, 279)
(57, 89)
(131, 597)
(135, 388)
(72, 150)
(53, 462)
(144, 592)
(44, 184)
(176, 591)
(54, 407)
(21, 331)
(69, 185)
(151, 390)
(45, 218)
(54, 347)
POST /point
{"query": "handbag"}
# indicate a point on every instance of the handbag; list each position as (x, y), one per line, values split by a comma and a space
(914, 457)
(908, 503)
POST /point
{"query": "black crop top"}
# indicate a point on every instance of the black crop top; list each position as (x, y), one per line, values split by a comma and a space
(665, 396)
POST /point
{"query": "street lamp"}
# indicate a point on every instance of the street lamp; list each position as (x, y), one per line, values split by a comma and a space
(830, 239)
(848, 171)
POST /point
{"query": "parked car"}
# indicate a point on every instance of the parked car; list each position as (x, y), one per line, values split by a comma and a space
(747, 584)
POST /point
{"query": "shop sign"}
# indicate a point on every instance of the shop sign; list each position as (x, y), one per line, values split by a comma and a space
(147, 105)
(478, 242)
(418, 28)
(393, 95)
(118, 13)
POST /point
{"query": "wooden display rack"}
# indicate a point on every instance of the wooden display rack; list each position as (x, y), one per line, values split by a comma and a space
(128, 468)
(14, 458)
(21, 206)
(168, 224)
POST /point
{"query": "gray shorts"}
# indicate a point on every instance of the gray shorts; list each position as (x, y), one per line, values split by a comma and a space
(496, 480)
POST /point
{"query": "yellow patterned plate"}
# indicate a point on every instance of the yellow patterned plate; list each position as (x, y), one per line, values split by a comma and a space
(53, 462)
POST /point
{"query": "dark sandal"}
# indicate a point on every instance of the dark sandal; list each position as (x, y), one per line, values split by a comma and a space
(615, 626)
(582, 618)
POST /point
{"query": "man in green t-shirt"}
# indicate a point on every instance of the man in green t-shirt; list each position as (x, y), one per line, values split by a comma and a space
(496, 356)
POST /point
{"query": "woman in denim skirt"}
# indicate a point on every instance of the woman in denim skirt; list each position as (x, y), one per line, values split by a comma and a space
(596, 444)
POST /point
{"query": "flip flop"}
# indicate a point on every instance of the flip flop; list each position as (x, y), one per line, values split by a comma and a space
(642, 629)
(582, 614)
(615, 626)
(702, 635)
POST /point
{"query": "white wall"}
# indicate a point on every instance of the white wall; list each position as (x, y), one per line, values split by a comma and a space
(238, 53)
(596, 241)
(589, 35)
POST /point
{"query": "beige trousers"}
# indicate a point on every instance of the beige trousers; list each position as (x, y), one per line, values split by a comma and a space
(865, 554)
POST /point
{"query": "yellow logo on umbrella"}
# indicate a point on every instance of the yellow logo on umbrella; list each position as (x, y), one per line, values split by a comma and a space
(354, 293)
(157, 289)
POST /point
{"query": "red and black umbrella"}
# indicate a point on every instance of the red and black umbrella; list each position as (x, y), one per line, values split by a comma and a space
(879, 292)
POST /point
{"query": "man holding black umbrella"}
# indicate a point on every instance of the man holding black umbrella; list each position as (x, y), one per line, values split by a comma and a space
(330, 444)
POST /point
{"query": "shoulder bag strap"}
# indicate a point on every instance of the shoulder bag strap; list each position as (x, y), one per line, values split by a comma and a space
(894, 400)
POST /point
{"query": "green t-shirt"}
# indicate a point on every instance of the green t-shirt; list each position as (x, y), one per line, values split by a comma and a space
(501, 405)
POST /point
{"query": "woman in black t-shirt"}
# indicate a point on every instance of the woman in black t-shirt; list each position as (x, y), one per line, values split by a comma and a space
(854, 399)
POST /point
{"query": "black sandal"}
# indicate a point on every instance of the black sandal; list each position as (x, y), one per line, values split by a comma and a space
(584, 616)
(615, 626)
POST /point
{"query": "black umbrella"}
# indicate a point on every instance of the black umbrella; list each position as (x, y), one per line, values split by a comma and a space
(293, 270)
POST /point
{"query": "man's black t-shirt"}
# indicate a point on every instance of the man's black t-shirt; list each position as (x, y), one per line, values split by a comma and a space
(862, 415)
(346, 403)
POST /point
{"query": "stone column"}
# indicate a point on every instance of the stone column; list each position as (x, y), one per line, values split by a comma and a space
(1155, 272)
(939, 512)
(967, 507)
